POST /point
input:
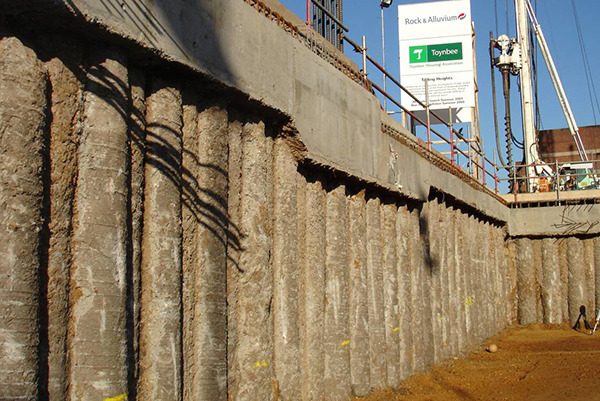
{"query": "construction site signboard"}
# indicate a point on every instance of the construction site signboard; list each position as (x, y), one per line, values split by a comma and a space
(436, 46)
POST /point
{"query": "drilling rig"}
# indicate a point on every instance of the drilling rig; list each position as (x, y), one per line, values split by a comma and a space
(515, 60)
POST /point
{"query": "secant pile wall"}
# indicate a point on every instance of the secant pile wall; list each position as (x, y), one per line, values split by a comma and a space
(166, 239)
(557, 277)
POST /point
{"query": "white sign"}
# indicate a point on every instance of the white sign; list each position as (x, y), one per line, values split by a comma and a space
(436, 46)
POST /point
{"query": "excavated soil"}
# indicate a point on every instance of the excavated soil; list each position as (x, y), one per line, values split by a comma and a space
(533, 363)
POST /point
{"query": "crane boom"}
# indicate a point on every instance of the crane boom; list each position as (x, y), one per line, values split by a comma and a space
(560, 91)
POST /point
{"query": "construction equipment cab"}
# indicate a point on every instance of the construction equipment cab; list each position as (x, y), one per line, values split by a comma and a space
(575, 176)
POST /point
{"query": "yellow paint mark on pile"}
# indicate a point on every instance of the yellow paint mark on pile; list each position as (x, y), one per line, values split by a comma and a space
(396, 329)
(262, 363)
(345, 342)
(120, 397)
(468, 301)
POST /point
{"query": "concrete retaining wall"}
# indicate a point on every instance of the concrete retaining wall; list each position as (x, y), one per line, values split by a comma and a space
(191, 253)
(169, 238)
(557, 276)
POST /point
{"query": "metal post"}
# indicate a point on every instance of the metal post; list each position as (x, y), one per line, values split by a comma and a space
(451, 135)
(340, 18)
(322, 17)
(557, 181)
(364, 56)
(383, 58)
(483, 168)
(427, 112)
(332, 25)
(495, 174)
(470, 149)
(308, 12)
(315, 17)
(328, 22)
(515, 180)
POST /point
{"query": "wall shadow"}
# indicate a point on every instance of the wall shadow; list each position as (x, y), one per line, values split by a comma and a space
(208, 208)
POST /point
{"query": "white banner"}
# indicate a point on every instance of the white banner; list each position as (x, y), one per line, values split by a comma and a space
(436, 46)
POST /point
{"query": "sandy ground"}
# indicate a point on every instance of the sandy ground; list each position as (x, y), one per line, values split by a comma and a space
(532, 363)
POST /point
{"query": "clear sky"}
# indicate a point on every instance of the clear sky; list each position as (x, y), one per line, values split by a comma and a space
(556, 17)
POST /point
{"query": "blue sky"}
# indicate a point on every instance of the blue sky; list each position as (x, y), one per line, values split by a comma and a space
(363, 17)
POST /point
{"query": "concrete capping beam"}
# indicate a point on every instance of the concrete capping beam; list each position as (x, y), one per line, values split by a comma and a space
(564, 220)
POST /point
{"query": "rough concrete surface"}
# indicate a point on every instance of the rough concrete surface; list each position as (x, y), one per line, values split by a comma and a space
(406, 299)
(358, 293)
(468, 296)
(504, 275)
(481, 299)
(389, 261)
(564, 277)
(313, 348)
(420, 261)
(513, 277)
(460, 312)
(23, 107)
(189, 257)
(475, 301)
(551, 284)
(463, 264)
(253, 359)
(303, 285)
(526, 281)
(560, 220)
(488, 283)
(590, 276)
(208, 205)
(446, 266)
(336, 333)
(160, 336)
(537, 262)
(494, 293)
(434, 266)
(285, 275)
(376, 305)
(234, 250)
(67, 89)
(578, 296)
(97, 335)
(137, 154)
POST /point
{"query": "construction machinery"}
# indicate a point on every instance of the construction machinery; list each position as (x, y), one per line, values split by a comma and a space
(515, 60)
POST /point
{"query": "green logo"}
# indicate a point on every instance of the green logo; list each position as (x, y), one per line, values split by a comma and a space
(431, 53)
(418, 54)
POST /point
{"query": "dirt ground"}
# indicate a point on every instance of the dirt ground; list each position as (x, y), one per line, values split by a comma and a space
(533, 363)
